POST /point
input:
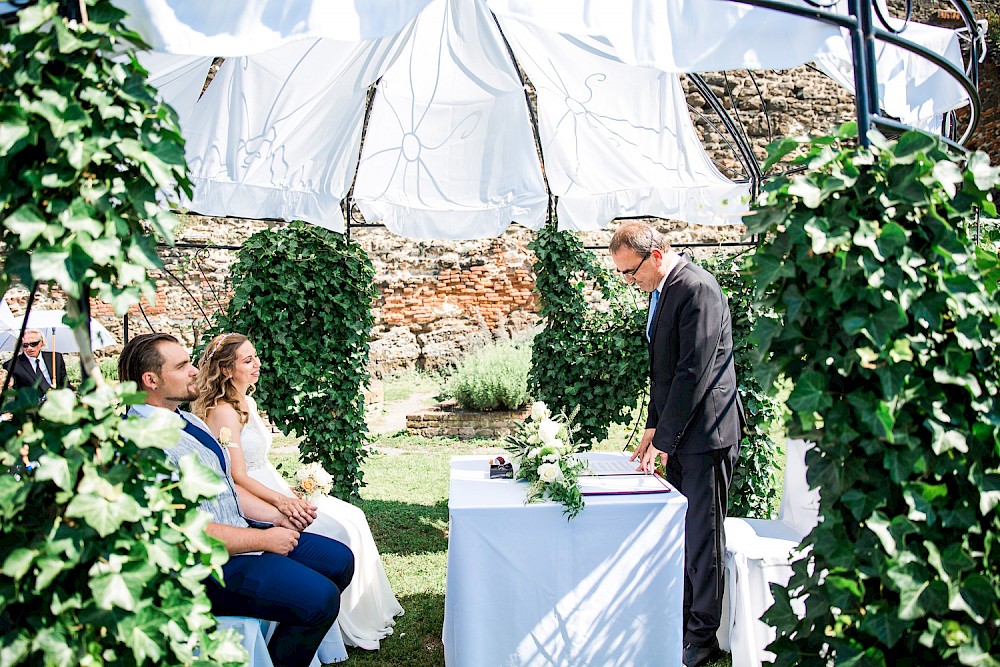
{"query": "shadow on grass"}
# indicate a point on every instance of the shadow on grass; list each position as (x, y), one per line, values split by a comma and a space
(404, 529)
(416, 639)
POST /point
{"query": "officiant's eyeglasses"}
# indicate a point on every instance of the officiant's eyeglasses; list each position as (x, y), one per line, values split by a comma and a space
(27, 345)
(631, 272)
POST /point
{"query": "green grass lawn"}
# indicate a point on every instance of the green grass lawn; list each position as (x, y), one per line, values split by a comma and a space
(406, 501)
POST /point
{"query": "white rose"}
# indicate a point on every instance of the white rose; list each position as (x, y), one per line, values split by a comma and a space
(534, 452)
(549, 472)
(533, 439)
(547, 431)
(551, 458)
(539, 411)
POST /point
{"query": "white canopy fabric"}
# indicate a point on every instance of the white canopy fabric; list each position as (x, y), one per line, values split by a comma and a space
(617, 140)
(682, 35)
(449, 150)
(911, 88)
(246, 27)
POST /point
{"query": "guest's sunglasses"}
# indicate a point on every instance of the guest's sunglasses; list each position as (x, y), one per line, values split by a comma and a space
(27, 345)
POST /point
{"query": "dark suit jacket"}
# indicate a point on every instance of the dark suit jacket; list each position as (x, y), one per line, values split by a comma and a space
(691, 369)
(24, 374)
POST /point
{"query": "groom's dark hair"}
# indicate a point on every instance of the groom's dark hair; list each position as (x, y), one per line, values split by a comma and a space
(140, 355)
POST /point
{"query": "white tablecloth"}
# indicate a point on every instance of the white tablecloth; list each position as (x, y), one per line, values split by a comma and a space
(527, 588)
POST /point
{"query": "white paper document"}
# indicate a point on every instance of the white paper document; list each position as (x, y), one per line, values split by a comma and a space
(617, 466)
(607, 485)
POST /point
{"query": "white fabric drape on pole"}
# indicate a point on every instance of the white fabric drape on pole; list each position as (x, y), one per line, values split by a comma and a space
(449, 151)
(911, 88)
(618, 140)
(277, 135)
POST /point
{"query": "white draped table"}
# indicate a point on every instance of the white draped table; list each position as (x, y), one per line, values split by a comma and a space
(526, 587)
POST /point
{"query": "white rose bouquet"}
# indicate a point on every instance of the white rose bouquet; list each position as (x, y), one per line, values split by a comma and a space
(543, 450)
(313, 481)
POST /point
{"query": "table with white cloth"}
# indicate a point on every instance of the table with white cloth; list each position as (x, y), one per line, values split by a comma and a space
(527, 587)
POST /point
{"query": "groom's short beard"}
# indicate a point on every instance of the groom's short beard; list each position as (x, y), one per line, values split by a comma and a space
(190, 396)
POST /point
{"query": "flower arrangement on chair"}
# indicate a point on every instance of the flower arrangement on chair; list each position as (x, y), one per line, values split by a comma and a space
(544, 453)
(313, 481)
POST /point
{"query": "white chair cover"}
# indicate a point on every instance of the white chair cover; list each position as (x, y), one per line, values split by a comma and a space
(759, 553)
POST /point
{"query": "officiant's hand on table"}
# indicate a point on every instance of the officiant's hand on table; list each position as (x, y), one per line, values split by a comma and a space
(646, 453)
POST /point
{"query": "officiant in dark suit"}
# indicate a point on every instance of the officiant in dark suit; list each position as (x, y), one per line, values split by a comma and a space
(34, 367)
(694, 417)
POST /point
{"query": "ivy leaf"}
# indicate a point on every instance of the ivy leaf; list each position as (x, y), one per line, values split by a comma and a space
(198, 480)
(110, 591)
(884, 625)
(60, 407)
(16, 565)
(161, 430)
(55, 468)
(779, 149)
(810, 393)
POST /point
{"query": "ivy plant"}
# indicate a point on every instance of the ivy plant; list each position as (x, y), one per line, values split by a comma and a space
(101, 554)
(588, 358)
(888, 322)
(303, 296)
(753, 491)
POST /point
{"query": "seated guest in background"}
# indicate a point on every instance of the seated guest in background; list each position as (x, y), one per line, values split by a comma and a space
(274, 572)
(227, 375)
(32, 368)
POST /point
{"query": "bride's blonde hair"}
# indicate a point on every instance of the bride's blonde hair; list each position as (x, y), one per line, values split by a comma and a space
(215, 376)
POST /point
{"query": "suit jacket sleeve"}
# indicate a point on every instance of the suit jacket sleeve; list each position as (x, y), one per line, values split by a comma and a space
(700, 323)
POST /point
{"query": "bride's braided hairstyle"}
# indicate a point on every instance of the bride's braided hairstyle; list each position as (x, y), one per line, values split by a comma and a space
(215, 372)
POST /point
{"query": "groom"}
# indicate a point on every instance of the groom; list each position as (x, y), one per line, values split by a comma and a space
(274, 572)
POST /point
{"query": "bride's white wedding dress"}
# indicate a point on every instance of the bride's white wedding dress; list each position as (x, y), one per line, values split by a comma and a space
(368, 607)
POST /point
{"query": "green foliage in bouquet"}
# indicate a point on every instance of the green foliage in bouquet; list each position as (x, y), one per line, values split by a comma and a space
(889, 325)
(303, 295)
(753, 491)
(586, 358)
(101, 554)
(494, 377)
(544, 452)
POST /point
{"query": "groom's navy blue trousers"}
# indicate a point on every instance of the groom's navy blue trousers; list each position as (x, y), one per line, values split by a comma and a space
(301, 591)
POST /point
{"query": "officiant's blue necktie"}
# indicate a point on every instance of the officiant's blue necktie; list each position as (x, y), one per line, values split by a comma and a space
(206, 439)
(653, 300)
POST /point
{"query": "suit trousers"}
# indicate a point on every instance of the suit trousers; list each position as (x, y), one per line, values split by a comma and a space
(301, 591)
(704, 480)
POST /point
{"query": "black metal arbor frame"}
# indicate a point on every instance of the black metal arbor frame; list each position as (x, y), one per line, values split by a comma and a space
(868, 21)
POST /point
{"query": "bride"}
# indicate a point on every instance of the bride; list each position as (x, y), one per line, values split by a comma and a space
(227, 374)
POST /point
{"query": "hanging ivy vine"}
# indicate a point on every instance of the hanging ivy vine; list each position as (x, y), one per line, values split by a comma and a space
(889, 325)
(586, 357)
(102, 556)
(753, 491)
(303, 296)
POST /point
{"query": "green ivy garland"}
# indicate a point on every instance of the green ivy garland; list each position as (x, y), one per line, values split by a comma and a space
(890, 328)
(102, 557)
(303, 295)
(587, 358)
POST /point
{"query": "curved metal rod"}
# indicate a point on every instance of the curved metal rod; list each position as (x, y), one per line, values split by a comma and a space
(744, 176)
(957, 74)
(852, 23)
(745, 151)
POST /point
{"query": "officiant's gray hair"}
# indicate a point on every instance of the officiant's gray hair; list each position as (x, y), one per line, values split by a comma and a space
(639, 237)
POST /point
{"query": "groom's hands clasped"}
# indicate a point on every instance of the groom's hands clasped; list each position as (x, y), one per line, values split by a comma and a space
(300, 513)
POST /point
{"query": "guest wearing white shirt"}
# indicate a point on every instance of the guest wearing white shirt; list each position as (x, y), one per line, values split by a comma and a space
(36, 368)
